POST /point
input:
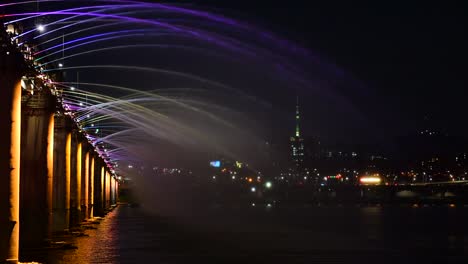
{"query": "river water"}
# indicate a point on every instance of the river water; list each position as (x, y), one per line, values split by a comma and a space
(326, 234)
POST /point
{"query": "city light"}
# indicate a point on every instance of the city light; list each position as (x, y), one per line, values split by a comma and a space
(268, 185)
(40, 28)
(215, 164)
(253, 189)
(370, 180)
(60, 65)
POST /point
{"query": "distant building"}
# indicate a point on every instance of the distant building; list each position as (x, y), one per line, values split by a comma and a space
(297, 142)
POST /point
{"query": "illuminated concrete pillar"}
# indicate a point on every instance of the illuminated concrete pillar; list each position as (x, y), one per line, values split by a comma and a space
(112, 190)
(75, 179)
(85, 183)
(116, 191)
(103, 188)
(11, 69)
(91, 186)
(107, 183)
(98, 184)
(37, 124)
(50, 174)
(62, 172)
(10, 141)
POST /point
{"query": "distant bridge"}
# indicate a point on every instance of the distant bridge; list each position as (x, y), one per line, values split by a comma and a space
(439, 183)
(450, 192)
(437, 192)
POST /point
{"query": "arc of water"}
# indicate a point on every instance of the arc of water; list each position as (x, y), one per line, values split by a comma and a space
(178, 127)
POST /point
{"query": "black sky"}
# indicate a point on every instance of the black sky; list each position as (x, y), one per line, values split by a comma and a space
(409, 56)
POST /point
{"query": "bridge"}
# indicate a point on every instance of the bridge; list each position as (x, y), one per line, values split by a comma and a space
(437, 193)
(52, 178)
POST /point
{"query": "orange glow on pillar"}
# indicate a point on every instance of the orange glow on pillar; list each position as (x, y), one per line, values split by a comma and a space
(86, 183)
(15, 151)
(67, 176)
(50, 170)
(107, 189)
(91, 188)
(103, 180)
(79, 152)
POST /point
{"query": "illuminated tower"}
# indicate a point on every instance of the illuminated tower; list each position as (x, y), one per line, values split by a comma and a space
(297, 143)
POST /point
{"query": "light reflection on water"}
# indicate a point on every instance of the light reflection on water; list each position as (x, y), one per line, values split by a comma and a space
(371, 234)
(99, 247)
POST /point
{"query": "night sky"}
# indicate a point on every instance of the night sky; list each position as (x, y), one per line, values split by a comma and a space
(409, 57)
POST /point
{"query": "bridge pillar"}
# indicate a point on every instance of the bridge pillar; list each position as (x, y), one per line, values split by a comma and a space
(91, 185)
(98, 187)
(62, 173)
(75, 179)
(11, 69)
(103, 187)
(37, 131)
(107, 188)
(85, 182)
(116, 191)
(112, 191)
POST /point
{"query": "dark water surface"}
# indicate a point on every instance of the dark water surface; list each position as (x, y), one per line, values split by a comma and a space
(334, 234)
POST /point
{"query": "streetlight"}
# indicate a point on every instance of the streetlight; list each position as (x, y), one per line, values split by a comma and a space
(40, 28)
(268, 185)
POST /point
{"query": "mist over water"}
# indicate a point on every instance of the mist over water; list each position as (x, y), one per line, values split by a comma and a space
(173, 126)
